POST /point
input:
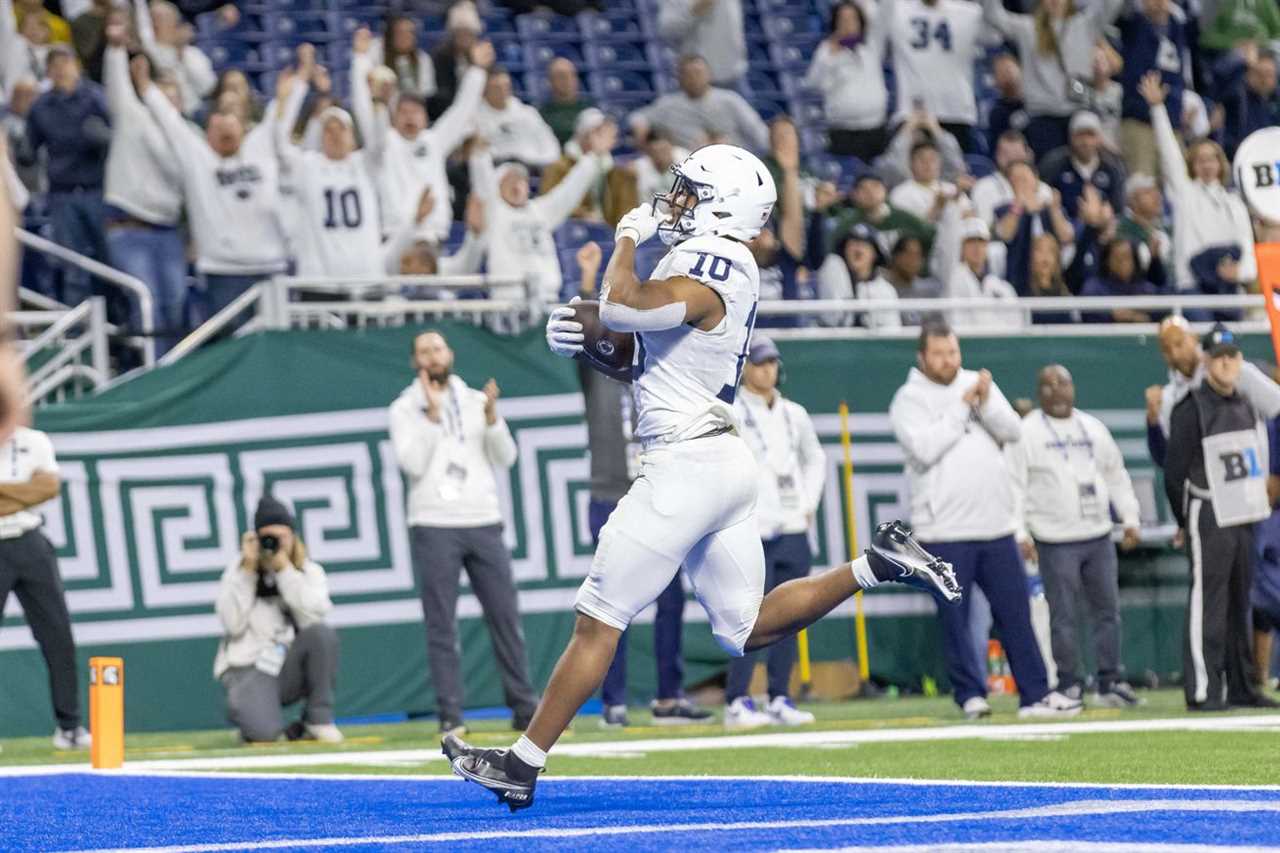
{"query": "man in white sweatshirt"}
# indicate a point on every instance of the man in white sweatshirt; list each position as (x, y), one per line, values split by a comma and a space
(143, 192)
(514, 130)
(952, 425)
(1068, 474)
(276, 648)
(712, 29)
(231, 184)
(451, 443)
(793, 469)
(410, 155)
(518, 238)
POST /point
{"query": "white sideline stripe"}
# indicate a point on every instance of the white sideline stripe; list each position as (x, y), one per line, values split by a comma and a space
(554, 780)
(1076, 809)
(1046, 847)
(1253, 722)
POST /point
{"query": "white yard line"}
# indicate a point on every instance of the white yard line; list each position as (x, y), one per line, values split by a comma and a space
(1073, 809)
(790, 739)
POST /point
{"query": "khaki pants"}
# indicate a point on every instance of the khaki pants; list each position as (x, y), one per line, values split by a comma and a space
(1138, 147)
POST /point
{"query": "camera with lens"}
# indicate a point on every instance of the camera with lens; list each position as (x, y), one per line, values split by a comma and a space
(268, 544)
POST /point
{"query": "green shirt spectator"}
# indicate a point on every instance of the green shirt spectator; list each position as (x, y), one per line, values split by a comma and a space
(1242, 20)
(565, 100)
(869, 207)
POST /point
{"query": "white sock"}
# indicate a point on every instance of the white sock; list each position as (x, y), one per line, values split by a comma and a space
(528, 752)
(862, 572)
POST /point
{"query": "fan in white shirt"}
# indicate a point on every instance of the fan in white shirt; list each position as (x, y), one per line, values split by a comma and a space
(935, 43)
(926, 194)
(410, 156)
(963, 246)
(167, 40)
(514, 129)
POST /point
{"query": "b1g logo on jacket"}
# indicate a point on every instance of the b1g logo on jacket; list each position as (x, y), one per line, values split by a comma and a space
(1239, 466)
(1257, 171)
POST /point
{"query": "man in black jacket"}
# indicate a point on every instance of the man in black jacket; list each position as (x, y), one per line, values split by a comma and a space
(1215, 476)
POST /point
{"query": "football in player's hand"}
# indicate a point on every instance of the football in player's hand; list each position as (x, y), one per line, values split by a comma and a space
(607, 351)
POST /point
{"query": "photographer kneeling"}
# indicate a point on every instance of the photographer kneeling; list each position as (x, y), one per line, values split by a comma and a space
(277, 648)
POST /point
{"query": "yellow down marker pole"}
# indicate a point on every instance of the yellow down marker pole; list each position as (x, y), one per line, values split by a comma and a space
(106, 711)
(851, 527)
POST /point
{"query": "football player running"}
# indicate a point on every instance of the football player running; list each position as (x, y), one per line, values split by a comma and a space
(694, 502)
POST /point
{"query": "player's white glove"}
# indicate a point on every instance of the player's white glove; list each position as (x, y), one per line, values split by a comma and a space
(564, 335)
(640, 224)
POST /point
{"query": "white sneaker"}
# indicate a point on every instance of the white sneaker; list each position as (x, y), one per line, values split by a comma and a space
(742, 714)
(324, 732)
(66, 740)
(1052, 705)
(784, 713)
(975, 708)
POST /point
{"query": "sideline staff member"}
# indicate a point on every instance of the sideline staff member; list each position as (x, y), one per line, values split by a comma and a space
(1068, 472)
(792, 472)
(448, 439)
(1216, 478)
(29, 568)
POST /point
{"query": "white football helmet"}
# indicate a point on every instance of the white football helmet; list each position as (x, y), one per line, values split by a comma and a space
(719, 189)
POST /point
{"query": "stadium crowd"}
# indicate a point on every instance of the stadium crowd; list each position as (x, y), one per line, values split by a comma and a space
(923, 149)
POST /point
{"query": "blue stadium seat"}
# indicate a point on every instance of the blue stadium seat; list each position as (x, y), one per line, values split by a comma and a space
(762, 84)
(790, 56)
(510, 53)
(574, 232)
(662, 57)
(227, 52)
(753, 26)
(499, 23)
(621, 84)
(978, 165)
(354, 19)
(359, 6)
(624, 55)
(666, 82)
(338, 56)
(278, 54)
(784, 26)
(538, 54)
(312, 27)
(535, 26)
(610, 26)
(251, 27)
(767, 107)
(812, 140)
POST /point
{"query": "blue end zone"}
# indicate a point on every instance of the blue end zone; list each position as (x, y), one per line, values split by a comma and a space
(88, 811)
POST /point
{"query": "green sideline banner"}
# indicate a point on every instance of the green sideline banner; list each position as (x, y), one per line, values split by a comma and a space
(162, 474)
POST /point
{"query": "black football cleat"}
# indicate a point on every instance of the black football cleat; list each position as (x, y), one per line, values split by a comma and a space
(509, 778)
(896, 556)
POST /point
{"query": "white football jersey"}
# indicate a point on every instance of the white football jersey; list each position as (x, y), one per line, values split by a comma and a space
(934, 48)
(686, 379)
(338, 231)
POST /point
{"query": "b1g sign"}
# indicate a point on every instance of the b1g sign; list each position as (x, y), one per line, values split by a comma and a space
(1257, 171)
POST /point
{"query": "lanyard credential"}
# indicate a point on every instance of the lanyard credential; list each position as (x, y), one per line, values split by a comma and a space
(1085, 442)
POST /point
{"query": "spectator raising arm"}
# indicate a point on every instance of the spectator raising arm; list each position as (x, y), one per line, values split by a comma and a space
(371, 116)
(1172, 165)
(557, 204)
(188, 146)
(455, 124)
(188, 64)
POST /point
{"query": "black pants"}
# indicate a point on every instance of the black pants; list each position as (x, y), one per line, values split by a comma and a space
(866, 145)
(1217, 660)
(786, 557)
(964, 135)
(439, 555)
(29, 568)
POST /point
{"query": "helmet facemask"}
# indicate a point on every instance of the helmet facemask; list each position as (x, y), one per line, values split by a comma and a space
(677, 220)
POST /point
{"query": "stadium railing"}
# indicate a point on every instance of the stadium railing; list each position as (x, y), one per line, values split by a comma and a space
(135, 289)
(65, 350)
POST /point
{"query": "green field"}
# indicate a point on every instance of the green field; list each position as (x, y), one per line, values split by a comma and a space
(1234, 756)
